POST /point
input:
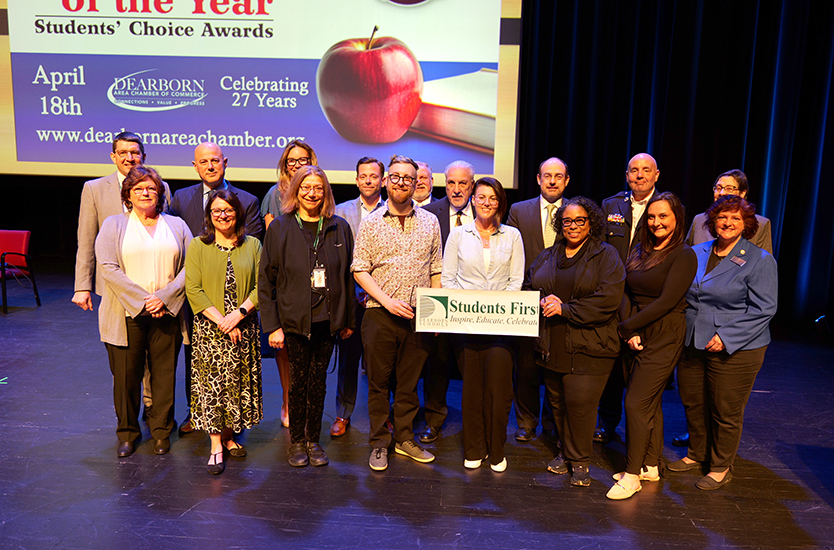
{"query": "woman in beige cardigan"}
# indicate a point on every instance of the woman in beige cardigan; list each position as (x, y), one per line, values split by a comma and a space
(141, 256)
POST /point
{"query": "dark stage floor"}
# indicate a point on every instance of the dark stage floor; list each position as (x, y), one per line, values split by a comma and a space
(61, 485)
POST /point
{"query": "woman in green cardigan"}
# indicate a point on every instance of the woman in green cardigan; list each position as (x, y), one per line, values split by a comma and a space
(221, 284)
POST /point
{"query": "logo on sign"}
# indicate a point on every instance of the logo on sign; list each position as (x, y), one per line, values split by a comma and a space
(434, 307)
(141, 91)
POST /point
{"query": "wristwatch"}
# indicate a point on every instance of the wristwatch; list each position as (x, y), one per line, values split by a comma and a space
(243, 311)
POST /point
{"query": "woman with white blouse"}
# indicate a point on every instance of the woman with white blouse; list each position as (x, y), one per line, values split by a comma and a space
(485, 255)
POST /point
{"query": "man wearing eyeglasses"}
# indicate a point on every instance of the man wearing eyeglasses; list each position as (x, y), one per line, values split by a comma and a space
(533, 218)
(189, 204)
(398, 249)
(453, 210)
(422, 195)
(369, 172)
(732, 182)
(625, 215)
(100, 199)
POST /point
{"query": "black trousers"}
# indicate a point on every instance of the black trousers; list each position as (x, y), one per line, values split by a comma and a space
(157, 343)
(392, 346)
(649, 370)
(611, 401)
(309, 358)
(438, 370)
(347, 376)
(527, 382)
(487, 363)
(714, 389)
(574, 399)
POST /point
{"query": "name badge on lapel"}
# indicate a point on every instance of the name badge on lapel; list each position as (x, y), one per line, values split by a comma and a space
(738, 261)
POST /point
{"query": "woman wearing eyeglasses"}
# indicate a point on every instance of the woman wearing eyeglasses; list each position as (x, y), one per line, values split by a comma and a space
(581, 279)
(296, 154)
(141, 256)
(485, 255)
(306, 293)
(221, 283)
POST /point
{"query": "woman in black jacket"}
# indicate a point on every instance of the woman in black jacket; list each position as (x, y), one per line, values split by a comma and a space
(306, 300)
(581, 280)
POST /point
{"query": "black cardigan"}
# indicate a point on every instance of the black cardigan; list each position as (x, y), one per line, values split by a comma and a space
(284, 276)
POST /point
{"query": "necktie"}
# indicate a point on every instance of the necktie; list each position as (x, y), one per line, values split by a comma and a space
(458, 214)
(549, 232)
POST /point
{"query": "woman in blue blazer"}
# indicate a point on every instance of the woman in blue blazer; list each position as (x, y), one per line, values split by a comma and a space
(728, 311)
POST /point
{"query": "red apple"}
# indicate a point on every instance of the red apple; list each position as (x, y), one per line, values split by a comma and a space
(370, 90)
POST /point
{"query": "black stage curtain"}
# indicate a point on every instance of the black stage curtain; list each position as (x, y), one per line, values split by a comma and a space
(704, 87)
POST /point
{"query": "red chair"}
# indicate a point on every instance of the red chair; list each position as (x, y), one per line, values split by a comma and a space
(14, 260)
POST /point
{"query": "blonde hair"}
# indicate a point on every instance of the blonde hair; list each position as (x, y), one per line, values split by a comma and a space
(289, 197)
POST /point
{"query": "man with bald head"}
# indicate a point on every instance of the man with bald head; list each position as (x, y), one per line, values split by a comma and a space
(422, 195)
(625, 215)
(190, 205)
(533, 219)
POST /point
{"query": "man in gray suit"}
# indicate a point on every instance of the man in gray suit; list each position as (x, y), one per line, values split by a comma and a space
(100, 199)
(533, 220)
(453, 210)
(369, 173)
(189, 204)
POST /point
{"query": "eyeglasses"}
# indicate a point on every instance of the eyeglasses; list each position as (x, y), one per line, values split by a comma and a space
(483, 199)
(580, 221)
(307, 189)
(732, 189)
(219, 212)
(303, 161)
(397, 178)
(553, 177)
(124, 154)
(142, 190)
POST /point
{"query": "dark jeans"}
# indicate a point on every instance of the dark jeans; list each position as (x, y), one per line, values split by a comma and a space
(392, 346)
(157, 342)
(309, 358)
(714, 389)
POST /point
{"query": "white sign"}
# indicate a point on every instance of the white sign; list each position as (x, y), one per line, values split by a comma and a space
(478, 312)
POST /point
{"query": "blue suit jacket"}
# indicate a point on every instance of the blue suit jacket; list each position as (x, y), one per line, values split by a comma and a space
(736, 300)
(440, 208)
(188, 205)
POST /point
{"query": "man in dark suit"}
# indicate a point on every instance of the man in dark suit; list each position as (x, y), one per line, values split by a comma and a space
(453, 210)
(625, 215)
(189, 204)
(369, 175)
(533, 220)
(100, 199)
(425, 179)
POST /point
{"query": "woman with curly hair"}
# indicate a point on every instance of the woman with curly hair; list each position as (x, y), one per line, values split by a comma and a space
(581, 281)
(729, 306)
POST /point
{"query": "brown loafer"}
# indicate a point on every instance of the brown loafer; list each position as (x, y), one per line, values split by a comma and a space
(339, 427)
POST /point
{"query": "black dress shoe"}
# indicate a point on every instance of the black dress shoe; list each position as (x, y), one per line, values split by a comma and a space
(214, 466)
(297, 455)
(125, 449)
(161, 446)
(682, 466)
(707, 483)
(601, 436)
(186, 427)
(524, 435)
(428, 435)
(316, 455)
(681, 440)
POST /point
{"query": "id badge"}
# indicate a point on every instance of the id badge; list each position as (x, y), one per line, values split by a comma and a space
(319, 277)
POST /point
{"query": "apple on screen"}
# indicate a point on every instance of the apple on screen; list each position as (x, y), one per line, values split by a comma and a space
(370, 89)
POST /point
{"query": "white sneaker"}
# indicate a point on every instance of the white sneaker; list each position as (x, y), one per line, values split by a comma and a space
(500, 467)
(472, 464)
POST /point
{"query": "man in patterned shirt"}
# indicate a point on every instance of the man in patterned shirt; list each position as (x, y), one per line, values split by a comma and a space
(397, 250)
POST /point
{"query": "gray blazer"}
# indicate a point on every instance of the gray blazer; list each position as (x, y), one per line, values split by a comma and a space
(100, 199)
(122, 296)
(698, 233)
(352, 212)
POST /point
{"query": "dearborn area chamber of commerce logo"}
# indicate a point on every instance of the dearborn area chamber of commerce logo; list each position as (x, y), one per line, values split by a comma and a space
(434, 307)
(141, 91)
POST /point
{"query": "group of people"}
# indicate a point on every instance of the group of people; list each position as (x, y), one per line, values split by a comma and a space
(625, 298)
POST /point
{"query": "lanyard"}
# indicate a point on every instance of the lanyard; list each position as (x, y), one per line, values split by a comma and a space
(318, 231)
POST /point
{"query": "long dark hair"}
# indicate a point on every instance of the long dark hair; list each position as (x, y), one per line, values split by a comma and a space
(207, 236)
(644, 257)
